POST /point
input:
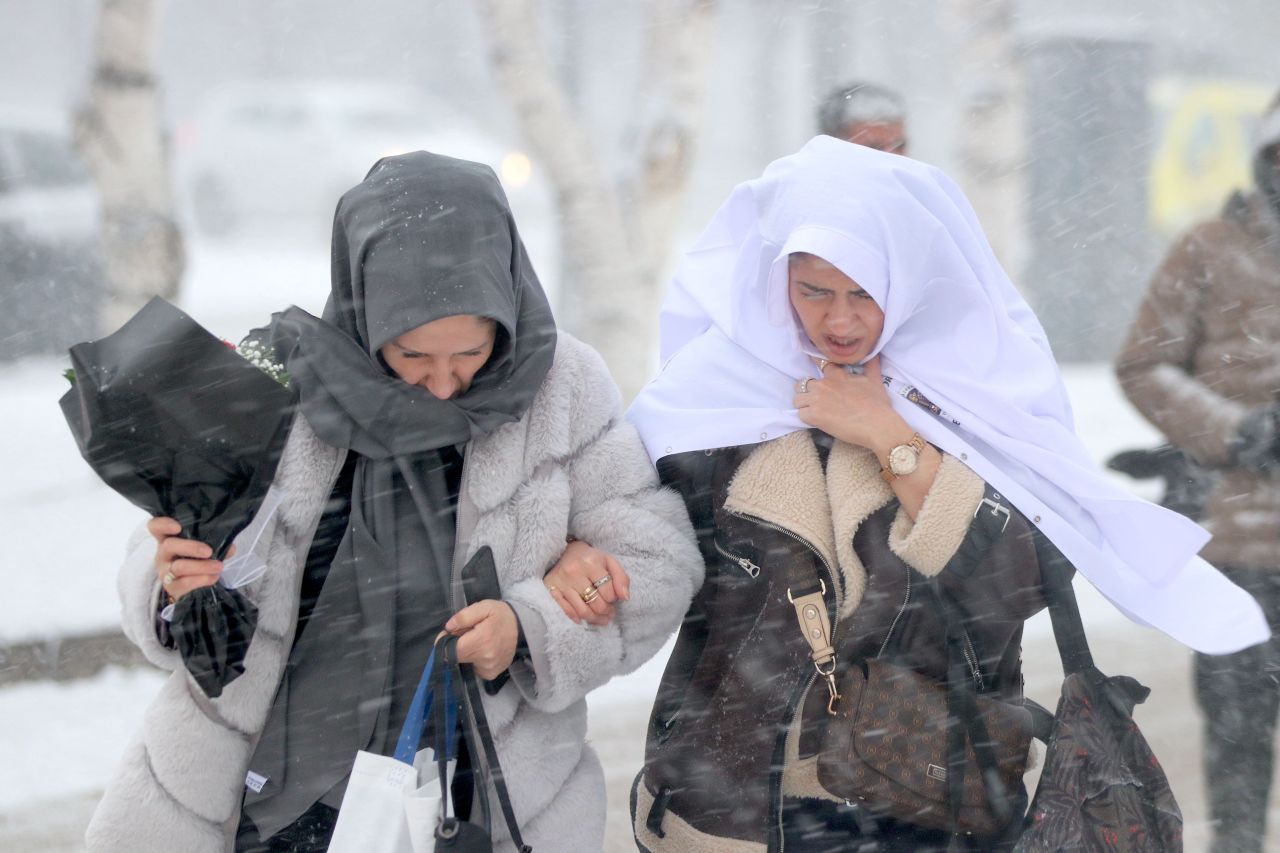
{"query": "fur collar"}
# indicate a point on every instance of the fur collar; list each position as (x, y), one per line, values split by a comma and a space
(782, 483)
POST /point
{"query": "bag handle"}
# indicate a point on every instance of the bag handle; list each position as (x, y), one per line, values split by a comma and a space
(444, 731)
(480, 740)
(1064, 611)
(410, 740)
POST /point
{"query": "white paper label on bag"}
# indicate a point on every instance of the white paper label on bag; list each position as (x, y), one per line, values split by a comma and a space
(255, 782)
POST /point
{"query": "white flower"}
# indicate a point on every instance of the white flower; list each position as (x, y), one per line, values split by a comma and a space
(260, 357)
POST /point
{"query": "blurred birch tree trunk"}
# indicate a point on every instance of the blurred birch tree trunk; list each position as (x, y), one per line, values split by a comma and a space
(119, 132)
(619, 233)
(992, 135)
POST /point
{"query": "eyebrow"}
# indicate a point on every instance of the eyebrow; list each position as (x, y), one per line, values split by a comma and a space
(815, 287)
(857, 291)
(407, 351)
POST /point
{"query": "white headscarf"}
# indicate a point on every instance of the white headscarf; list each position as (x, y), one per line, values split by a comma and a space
(955, 329)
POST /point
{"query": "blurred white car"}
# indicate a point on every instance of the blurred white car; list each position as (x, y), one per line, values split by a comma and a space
(289, 150)
(50, 270)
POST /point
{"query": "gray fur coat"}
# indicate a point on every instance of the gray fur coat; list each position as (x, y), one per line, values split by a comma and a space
(571, 465)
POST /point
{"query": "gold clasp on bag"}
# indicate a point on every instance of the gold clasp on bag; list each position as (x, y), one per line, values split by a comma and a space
(830, 675)
(811, 612)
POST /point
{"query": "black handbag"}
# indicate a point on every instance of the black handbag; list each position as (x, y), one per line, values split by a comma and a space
(453, 833)
(1101, 789)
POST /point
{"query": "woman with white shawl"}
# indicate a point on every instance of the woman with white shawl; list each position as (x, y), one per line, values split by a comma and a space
(854, 396)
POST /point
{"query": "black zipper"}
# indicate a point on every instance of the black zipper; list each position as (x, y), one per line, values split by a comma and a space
(741, 562)
(897, 616)
(970, 656)
(775, 777)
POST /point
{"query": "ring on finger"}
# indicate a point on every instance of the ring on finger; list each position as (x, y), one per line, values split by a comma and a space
(589, 595)
(804, 385)
(599, 582)
(168, 578)
(822, 364)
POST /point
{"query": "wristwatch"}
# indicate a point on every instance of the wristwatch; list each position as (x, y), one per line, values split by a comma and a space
(903, 459)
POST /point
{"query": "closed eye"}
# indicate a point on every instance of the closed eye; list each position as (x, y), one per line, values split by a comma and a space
(408, 353)
(808, 291)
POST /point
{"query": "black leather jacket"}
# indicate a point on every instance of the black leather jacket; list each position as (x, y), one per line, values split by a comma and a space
(740, 671)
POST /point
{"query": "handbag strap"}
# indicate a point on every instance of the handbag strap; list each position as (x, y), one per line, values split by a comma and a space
(444, 730)
(1064, 611)
(965, 720)
(480, 740)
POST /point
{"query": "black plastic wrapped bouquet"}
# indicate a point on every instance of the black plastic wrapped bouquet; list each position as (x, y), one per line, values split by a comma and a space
(184, 426)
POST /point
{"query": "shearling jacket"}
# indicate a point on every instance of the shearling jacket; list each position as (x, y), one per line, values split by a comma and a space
(1203, 351)
(570, 465)
(739, 713)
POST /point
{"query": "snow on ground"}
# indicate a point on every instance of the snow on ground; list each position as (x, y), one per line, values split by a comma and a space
(66, 532)
(65, 738)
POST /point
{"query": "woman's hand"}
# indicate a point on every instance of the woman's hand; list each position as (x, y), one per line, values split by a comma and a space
(182, 564)
(487, 633)
(851, 407)
(581, 570)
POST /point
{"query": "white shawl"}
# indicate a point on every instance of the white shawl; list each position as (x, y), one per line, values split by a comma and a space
(956, 330)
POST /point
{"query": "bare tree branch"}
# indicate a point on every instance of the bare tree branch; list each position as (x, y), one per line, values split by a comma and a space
(676, 70)
(616, 249)
(992, 144)
(120, 134)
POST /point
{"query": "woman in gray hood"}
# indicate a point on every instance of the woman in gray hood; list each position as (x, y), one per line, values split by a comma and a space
(440, 412)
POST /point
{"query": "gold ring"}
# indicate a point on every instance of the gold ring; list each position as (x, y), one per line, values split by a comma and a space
(822, 364)
(599, 582)
(167, 579)
(589, 595)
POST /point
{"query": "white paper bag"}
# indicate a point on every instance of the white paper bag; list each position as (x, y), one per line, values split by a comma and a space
(386, 809)
(422, 806)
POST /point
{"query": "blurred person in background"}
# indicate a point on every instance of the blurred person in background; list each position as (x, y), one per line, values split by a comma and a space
(1202, 363)
(865, 114)
(440, 411)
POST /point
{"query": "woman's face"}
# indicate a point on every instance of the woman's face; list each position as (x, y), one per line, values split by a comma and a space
(840, 318)
(444, 355)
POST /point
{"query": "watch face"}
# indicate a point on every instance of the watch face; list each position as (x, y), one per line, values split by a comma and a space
(903, 459)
